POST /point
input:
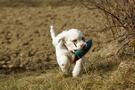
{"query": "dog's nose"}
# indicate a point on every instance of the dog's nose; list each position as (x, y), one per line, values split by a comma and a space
(83, 46)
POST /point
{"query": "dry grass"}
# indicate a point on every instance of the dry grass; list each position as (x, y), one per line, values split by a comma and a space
(101, 74)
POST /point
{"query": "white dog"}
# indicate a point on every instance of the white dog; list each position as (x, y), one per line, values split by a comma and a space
(66, 43)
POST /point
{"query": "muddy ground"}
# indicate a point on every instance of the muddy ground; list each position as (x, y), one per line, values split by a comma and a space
(25, 42)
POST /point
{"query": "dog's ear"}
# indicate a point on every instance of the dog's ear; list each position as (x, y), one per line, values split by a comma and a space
(60, 37)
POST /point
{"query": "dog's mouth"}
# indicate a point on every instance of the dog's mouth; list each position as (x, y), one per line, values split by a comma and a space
(75, 50)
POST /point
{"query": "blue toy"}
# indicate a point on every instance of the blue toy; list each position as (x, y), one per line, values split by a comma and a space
(79, 53)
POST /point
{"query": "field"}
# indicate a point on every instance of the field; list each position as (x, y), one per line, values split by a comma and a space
(27, 56)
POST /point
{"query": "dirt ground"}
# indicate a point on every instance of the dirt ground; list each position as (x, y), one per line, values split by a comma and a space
(25, 42)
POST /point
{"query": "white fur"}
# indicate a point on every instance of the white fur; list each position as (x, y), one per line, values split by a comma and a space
(64, 56)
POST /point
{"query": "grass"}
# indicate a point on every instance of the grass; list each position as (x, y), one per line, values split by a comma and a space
(51, 80)
(99, 76)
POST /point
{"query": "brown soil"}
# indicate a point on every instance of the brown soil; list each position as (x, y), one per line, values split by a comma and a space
(25, 42)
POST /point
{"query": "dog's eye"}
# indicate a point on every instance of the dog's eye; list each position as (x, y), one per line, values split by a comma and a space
(75, 40)
(83, 38)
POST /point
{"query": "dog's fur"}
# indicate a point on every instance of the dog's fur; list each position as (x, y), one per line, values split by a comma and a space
(66, 43)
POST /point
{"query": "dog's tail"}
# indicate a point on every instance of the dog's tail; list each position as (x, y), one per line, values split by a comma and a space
(52, 32)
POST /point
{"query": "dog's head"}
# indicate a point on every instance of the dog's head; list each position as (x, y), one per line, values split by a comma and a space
(74, 40)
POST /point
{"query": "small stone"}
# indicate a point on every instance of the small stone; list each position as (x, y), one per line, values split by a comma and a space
(10, 66)
(4, 66)
(8, 62)
(2, 62)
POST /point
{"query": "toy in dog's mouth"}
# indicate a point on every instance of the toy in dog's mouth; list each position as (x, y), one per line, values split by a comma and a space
(79, 53)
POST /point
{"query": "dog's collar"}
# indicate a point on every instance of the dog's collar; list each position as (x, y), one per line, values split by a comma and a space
(67, 48)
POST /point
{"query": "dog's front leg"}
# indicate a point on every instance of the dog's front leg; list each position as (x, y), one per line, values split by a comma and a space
(79, 67)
